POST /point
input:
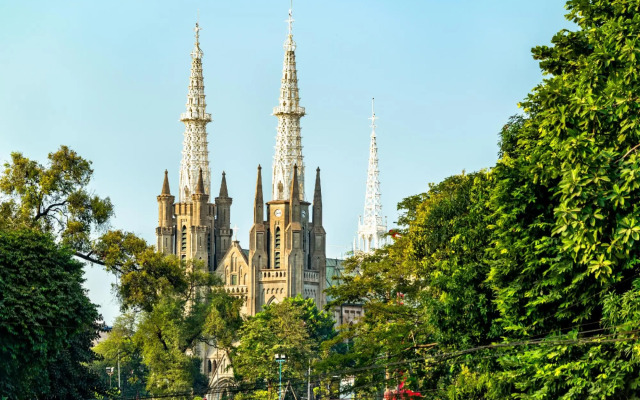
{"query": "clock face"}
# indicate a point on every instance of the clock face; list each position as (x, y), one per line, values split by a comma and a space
(304, 213)
(278, 213)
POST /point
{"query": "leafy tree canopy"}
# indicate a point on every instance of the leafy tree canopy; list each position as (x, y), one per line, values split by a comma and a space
(47, 323)
(54, 198)
(295, 327)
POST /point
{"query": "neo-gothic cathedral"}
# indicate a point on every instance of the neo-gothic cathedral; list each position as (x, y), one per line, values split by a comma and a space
(287, 242)
(286, 255)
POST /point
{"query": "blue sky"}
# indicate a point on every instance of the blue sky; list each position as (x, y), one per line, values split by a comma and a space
(109, 79)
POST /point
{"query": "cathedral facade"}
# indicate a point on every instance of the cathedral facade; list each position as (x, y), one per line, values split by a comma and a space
(286, 253)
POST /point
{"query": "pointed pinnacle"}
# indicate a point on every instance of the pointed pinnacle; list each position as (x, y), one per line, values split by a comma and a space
(258, 213)
(165, 184)
(200, 184)
(223, 186)
(295, 190)
(317, 195)
(259, 184)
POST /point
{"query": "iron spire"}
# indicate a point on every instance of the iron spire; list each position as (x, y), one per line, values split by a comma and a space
(372, 229)
(288, 140)
(195, 154)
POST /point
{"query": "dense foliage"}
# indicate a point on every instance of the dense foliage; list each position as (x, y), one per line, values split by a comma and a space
(53, 198)
(47, 323)
(522, 282)
(295, 328)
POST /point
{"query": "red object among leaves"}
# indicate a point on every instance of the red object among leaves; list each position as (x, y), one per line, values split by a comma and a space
(402, 393)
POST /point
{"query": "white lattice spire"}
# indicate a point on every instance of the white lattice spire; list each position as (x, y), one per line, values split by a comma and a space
(371, 228)
(195, 155)
(288, 140)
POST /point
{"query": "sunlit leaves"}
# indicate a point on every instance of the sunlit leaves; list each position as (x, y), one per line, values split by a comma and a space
(54, 198)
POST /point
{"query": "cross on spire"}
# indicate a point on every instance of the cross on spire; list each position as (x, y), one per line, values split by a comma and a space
(290, 20)
(373, 114)
(197, 29)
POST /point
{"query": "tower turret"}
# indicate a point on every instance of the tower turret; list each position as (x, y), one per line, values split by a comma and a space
(317, 252)
(288, 140)
(195, 155)
(164, 231)
(258, 204)
(200, 199)
(294, 199)
(295, 239)
(317, 201)
(372, 230)
(258, 252)
(223, 231)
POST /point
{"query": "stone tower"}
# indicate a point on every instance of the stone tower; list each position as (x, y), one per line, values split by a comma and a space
(195, 155)
(372, 229)
(287, 249)
(288, 140)
(194, 228)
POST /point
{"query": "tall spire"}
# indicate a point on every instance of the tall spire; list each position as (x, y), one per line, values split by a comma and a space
(223, 186)
(371, 229)
(317, 201)
(288, 140)
(165, 184)
(199, 185)
(294, 198)
(258, 206)
(195, 154)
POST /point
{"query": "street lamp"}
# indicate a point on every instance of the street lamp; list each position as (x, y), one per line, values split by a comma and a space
(280, 359)
(109, 372)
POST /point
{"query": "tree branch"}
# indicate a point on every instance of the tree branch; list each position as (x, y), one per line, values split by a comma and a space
(87, 257)
(46, 210)
(629, 152)
(161, 339)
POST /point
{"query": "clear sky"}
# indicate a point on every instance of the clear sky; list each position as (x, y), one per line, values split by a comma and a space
(109, 79)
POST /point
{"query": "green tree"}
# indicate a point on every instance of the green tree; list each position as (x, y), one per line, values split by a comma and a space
(47, 323)
(120, 347)
(566, 232)
(54, 198)
(178, 322)
(296, 328)
(423, 295)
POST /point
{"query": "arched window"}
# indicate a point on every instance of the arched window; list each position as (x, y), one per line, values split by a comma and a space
(183, 238)
(209, 366)
(276, 261)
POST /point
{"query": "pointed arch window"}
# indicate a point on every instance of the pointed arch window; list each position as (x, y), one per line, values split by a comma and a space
(277, 241)
(183, 239)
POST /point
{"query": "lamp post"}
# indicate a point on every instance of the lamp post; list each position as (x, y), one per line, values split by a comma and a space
(109, 372)
(280, 359)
